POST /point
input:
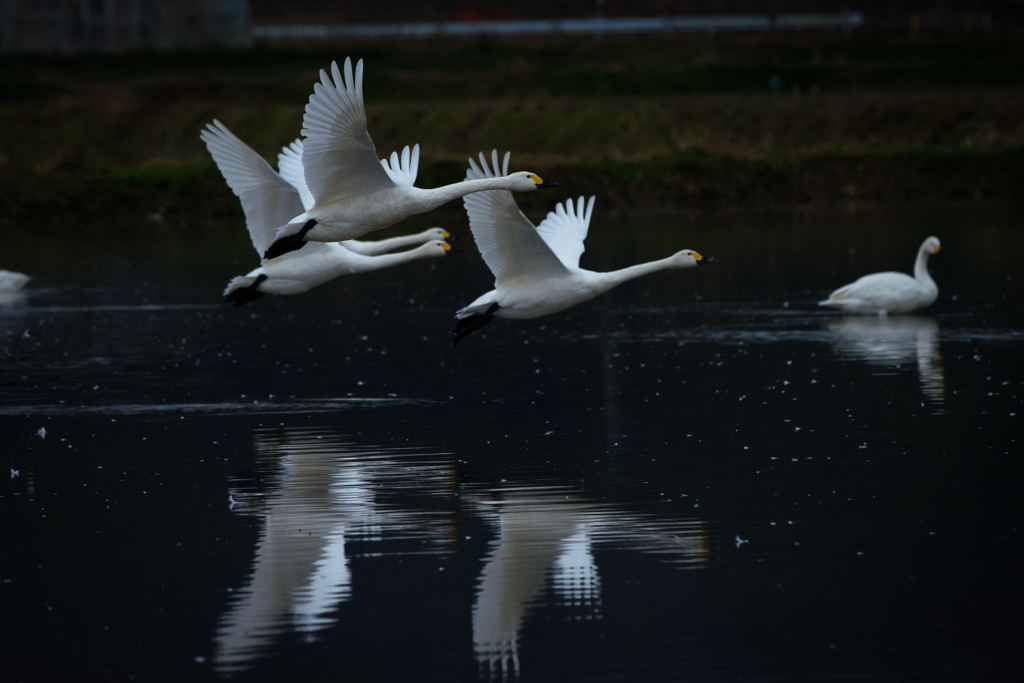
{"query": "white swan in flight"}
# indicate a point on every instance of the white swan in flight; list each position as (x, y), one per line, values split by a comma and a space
(267, 200)
(353, 192)
(289, 165)
(12, 282)
(885, 293)
(536, 269)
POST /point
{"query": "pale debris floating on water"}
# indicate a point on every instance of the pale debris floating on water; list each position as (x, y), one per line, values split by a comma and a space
(42, 432)
(740, 541)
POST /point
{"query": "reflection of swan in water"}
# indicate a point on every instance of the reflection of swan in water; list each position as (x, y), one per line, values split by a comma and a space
(324, 493)
(891, 342)
(544, 533)
(16, 298)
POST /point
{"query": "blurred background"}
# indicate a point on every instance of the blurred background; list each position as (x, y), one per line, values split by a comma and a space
(654, 104)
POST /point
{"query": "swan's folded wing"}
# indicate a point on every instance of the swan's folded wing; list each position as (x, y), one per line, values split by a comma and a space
(289, 165)
(510, 244)
(338, 157)
(268, 200)
(565, 228)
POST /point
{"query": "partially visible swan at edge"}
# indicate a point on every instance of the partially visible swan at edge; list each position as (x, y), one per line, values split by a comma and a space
(353, 192)
(289, 165)
(12, 282)
(885, 293)
(266, 198)
(536, 269)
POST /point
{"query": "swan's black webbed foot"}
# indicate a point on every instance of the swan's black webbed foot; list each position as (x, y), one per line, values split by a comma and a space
(289, 242)
(467, 326)
(244, 295)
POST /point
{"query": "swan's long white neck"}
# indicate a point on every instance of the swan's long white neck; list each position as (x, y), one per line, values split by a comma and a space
(615, 278)
(362, 264)
(447, 193)
(921, 273)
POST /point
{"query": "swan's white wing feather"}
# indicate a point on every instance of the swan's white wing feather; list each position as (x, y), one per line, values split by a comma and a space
(289, 165)
(338, 157)
(565, 228)
(268, 200)
(510, 244)
(403, 170)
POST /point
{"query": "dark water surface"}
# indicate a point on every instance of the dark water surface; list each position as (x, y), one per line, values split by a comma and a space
(700, 476)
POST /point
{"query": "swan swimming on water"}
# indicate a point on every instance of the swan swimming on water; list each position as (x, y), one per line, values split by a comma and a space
(268, 199)
(12, 282)
(885, 293)
(536, 269)
(289, 165)
(353, 192)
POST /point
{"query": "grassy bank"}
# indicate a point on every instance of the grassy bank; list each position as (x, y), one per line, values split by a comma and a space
(649, 122)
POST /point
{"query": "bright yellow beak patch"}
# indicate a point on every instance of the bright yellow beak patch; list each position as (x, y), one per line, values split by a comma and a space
(696, 256)
(536, 178)
(446, 234)
(935, 249)
(446, 246)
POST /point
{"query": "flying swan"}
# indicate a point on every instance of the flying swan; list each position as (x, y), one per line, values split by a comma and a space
(536, 269)
(268, 199)
(289, 165)
(885, 293)
(352, 190)
(12, 282)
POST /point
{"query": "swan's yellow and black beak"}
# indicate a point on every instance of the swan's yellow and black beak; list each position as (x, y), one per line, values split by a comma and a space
(446, 234)
(541, 184)
(701, 261)
(935, 249)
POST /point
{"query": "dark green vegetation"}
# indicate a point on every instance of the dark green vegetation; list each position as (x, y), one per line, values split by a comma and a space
(651, 121)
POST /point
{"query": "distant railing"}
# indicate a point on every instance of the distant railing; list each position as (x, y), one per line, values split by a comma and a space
(597, 26)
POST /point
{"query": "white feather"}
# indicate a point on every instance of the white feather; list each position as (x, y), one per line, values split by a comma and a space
(339, 158)
(508, 241)
(267, 198)
(289, 165)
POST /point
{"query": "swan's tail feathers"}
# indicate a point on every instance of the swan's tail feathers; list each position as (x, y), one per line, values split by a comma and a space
(289, 239)
(243, 289)
(467, 325)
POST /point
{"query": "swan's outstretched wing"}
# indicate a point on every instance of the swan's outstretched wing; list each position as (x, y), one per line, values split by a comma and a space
(512, 248)
(338, 157)
(289, 165)
(267, 199)
(403, 171)
(565, 228)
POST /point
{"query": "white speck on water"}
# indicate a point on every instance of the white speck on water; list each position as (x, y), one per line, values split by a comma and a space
(740, 541)
(200, 659)
(41, 433)
(26, 335)
(15, 473)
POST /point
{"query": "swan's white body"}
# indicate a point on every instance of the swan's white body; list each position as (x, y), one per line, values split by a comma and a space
(885, 293)
(354, 192)
(268, 199)
(536, 269)
(12, 282)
